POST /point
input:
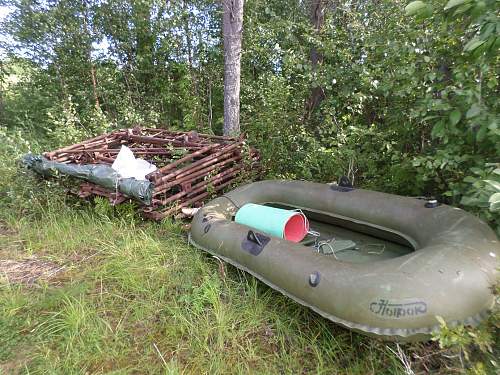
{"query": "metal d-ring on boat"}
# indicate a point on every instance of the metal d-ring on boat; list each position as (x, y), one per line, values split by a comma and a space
(437, 260)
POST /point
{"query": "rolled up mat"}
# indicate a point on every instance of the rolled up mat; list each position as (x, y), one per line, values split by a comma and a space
(290, 225)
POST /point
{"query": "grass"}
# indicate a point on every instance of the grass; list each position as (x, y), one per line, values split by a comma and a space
(134, 298)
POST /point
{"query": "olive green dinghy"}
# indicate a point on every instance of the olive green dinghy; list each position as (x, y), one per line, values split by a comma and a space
(412, 260)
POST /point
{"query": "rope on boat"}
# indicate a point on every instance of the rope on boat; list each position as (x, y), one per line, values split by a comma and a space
(230, 200)
(381, 246)
(319, 246)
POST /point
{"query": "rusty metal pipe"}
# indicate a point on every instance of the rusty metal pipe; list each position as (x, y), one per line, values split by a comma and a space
(192, 176)
(200, 186)
(161, 214)
(208, 160)
(182, 160)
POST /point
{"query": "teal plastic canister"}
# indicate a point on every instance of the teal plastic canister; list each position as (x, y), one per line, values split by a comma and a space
(288, 224)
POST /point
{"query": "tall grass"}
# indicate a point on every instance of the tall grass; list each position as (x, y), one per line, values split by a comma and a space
(135, 298)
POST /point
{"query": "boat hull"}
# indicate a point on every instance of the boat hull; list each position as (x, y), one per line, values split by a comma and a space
(449, 273)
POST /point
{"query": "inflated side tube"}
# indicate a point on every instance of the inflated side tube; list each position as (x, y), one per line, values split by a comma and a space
(450, 273)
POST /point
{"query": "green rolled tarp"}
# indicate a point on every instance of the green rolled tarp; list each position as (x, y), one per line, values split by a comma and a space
(99, 174)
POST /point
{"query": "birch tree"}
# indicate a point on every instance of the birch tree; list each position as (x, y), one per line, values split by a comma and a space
(232, 25)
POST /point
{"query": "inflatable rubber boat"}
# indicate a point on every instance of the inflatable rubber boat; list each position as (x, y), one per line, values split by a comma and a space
(412, 259)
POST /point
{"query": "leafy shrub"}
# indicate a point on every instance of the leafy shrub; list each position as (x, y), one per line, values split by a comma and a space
(476, 347)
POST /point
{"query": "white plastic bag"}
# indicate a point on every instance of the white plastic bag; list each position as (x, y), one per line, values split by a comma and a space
(128, 166)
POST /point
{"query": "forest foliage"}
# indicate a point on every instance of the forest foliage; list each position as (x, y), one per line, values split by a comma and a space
(407, 103)
(409, 90)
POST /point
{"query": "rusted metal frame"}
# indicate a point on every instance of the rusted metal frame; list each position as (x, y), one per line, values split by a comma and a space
(115, 197)
(99, 140)
(105, 159)
(191, 135)
(206, 136)
(61, 159)
(209, 136)
(193, 174)
(158, 215)
(208, 159)
(154, 151)
(218, 137)
(106, 143)
(96, 188)
(66, 154)
(72, 154)
(182, 160)
(159, 130)
(169, 145)
(214, 180)
(161, 141)
(179, 145)
(208, 166)
(88, 150)
(200, 186)
(160, 133)
(123, 134)
(142, 138)
(233, 172)
(201, 163)
(190, 169)
(71, 157)
(71, 147)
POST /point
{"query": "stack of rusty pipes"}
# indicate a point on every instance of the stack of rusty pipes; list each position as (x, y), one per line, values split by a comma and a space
(191, 166)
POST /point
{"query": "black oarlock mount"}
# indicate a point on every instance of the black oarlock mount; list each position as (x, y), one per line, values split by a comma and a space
(255, 242)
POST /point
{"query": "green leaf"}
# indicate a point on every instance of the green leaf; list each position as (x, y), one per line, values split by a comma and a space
(438, 130)
(494, 202)
(497, 171)
(454, 3)
(455, 117)
(495, 207)
(477, 171)
(415, 7)
(462, 9)
(441, 321)
(473, 44)
(474, 201)
(481, 133)
(494, 184)
(426, 12)
(487, 30)
(494, 198)
(473, 111)
(479, 8)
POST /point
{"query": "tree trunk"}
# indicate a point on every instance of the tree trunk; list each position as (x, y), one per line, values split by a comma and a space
(187, 31)
(210, 111)
(232, 30)
(144, 44)
(192, 72)
(91, 63)
(317, 17)
(62, 85)
(94, 84)
(2, 113)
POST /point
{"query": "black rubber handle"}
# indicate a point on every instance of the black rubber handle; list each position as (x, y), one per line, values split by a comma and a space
(252, 237)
